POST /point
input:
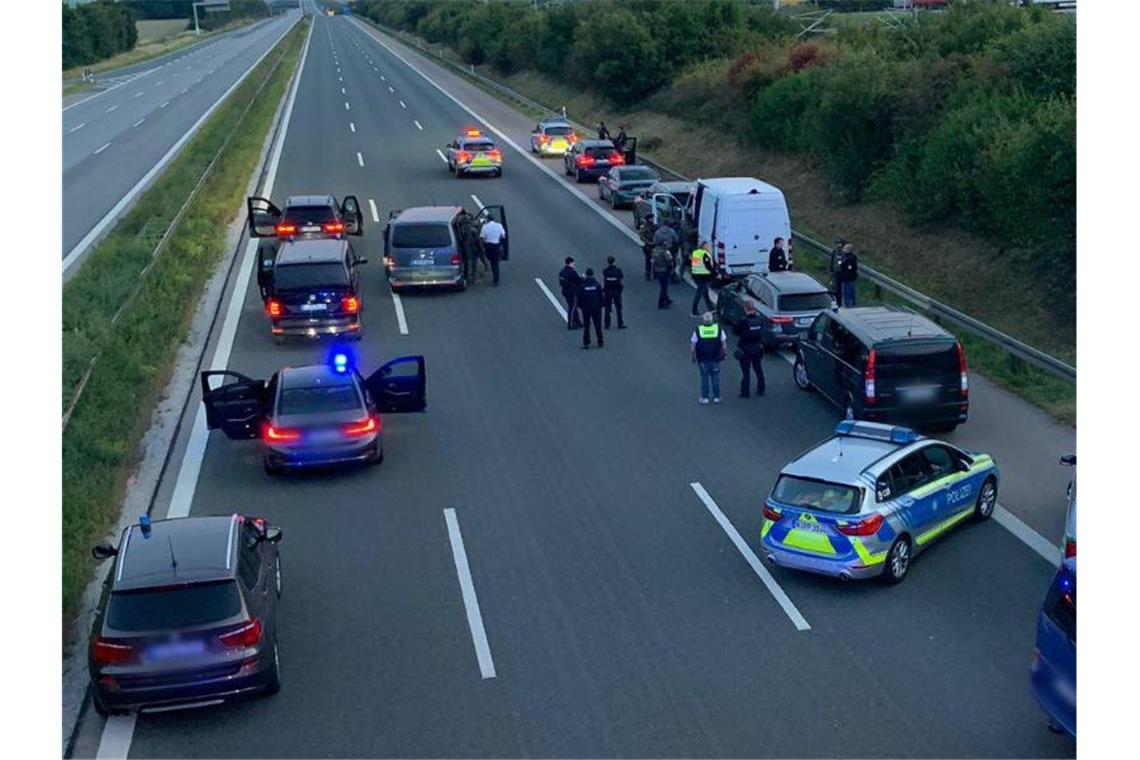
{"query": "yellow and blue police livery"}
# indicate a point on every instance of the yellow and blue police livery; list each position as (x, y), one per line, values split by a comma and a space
(474, 153)
(865, 501)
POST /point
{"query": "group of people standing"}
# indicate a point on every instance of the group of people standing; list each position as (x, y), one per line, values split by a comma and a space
(587, 299)
(481, 246)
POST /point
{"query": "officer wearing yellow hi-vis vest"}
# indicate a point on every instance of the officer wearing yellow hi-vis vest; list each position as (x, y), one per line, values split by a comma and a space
(708, 351)
(702, 268)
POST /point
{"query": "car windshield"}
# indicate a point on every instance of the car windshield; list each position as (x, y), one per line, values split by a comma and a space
(309, 214)
(598, 151)
(173, 608)
(904, 362)
(637, 174)
(816, 494)
(559, 131)
(421, 236)
(307, 276)
(479, 145)
(318, 399)
(805, 301)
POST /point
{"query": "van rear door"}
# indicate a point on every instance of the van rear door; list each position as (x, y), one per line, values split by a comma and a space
(917, 373)
(739, 244)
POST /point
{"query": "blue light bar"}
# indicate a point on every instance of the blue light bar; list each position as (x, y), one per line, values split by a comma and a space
(144, 525)
(876, 431)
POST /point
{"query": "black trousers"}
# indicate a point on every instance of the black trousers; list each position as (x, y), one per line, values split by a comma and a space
(663, 279)
(612, 300)
(494, 252)
(751, 362)
(702, 282)
(573, 321)
(593, 316)
(647, 250)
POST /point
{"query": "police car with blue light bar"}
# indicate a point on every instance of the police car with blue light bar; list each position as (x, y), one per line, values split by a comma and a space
(862, 503)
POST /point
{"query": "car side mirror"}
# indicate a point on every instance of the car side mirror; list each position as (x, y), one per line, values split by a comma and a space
(964, 464)
(273, 534)
(1069, 460)
(103, 551)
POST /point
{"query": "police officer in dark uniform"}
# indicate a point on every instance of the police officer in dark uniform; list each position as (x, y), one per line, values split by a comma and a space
(612, 286)
(750, 349)
(590, 302)
(570, 281)
(778, 257)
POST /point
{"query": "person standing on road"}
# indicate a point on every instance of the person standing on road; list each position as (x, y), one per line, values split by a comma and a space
(612, 286)
(603, 133)
(666, 237)
(663, 271)
(702, 268)
(833, 269)
(621, 139)
(750, 349)
(569, 280)
(492, 236)
(708, 351)
(590, 302)
(848, 274)
(471, 250)
(777, 258)
(648, 230)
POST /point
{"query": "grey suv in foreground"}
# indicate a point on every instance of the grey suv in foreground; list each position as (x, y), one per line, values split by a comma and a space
(191, 614)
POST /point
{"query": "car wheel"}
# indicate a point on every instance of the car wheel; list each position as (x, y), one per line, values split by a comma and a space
(499, 173)
(102, 709)
(273, 683)
(279, 340)
(987, 500)
(277, 576)
(800, 375)
(898, 561)
(379, 458)
(270, 468)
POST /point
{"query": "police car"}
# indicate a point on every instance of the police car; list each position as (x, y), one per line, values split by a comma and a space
(865, 501)
(474, 153)
(316, 415)
(552, 137)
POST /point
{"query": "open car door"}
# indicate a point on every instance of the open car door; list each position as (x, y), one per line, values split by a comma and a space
(666, 210)
(262, 218)
(400, 385)
(499, 214)
(629, 152)
(353, 218)
(236, 405)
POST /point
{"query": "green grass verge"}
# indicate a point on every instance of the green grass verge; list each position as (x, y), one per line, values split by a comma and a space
(100, 444)
(77, 87)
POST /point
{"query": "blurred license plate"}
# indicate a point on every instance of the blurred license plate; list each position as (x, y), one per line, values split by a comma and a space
(919, 393)
(314, 306)
(324, 436)
(175, 650)
(423, 262)
(311, 228)
(803, 322)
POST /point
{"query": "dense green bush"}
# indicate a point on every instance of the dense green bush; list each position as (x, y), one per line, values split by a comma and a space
(96, 31)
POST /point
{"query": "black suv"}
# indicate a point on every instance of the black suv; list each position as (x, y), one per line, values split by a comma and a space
(304, 217)
(886, 364)
(311, 288)
(191, 614)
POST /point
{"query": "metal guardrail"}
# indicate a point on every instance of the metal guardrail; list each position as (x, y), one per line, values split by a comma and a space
(938, 311)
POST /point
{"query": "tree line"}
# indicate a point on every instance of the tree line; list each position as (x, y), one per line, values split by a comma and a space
(94, 31)
(965, 117)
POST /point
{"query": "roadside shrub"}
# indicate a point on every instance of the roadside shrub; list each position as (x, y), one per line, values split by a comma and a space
(96, 31)
(1041, 57)
(806, 54)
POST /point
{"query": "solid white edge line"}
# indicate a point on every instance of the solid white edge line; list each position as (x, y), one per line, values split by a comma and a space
(113, 214)
(1049, 551)
(470, 600)
(419, 126)
(442, 157)
(375, 213)
(118, 730)
(359, 158)
(478, 202)
(401, 320)
(553, 301)
(751, 558)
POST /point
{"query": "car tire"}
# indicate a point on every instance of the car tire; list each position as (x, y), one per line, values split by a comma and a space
(499, 173)
(273, 683)
(270, 469)
(987, 500)
(279, 340)
(895, 568)
(378, 459)
(800, 375)
(102, 709)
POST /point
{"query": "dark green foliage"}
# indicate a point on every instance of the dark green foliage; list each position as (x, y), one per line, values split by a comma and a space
(95, 31)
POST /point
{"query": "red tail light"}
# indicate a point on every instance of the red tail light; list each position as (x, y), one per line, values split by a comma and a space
(720, 254)
(781, 320)
(1070, 548)
(543, 139)
(284, 230)
(274, 308)
(771, 514)
(585, 160)
(370, 425)
(109, 652)
(617, 158)
(351, 304)
(964, 379)
(271, 434)
(246, 636)
(866, 527)
(496, 154)
(462, 157)
(869, 379)
(334, 227)
(573, 138)
(456, 260)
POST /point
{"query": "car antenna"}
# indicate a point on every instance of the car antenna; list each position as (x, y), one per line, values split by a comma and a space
(173, 561)
(910, 329)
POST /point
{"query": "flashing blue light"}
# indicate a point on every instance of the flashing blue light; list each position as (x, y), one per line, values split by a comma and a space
(903, 435)
(340, 363)
(144, 525)
(876, 431)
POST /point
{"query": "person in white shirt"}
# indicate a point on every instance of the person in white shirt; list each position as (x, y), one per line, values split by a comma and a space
(492, 235)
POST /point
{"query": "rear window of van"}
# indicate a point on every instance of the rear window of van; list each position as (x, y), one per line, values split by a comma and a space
(421, 235)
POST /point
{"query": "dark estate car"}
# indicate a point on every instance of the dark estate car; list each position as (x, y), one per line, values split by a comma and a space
(304, 216)
(590, 159)
(643, 203)
(317, 415)
(311, 287)
(621, 184)
(788, 301)
(885, 364)
(191, 614)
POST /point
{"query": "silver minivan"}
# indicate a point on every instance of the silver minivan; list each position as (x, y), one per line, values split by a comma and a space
(424, 246)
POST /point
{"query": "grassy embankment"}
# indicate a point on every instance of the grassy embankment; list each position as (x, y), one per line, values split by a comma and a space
(136, 356)
(948, 264)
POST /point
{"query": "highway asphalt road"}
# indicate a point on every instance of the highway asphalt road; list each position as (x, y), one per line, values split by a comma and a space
(112, 140)
(621, 618)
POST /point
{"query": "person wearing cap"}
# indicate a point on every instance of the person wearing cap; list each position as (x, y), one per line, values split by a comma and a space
(569, 280)
(612, 287)
(750, 349)
(590, 302)
(707, 346)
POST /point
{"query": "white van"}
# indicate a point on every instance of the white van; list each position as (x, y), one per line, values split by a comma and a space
(740, 217)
